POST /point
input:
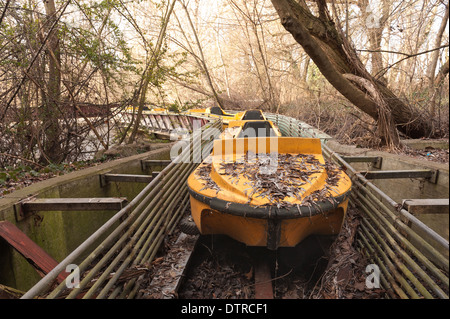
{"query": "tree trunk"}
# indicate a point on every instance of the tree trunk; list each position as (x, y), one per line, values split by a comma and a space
(51, 146)
(149, 73)
(201, 58)
(375, 29)
(437, 82)
(335, 57)
(437, 43)
(434, 83)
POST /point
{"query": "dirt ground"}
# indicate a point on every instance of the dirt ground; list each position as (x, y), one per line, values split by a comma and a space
(429, 154)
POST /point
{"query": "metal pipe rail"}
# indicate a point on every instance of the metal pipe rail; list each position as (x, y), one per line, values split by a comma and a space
(165, 122)
(133, 235)
(289, 126)
(411, 265)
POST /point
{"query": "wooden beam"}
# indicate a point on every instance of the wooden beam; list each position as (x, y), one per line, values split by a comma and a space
(375, 160)
(427, 206)
(128, 178)
(427, 174)
(69, 204)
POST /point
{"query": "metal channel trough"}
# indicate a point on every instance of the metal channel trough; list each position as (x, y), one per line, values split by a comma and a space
(412, 257)
(136, 232)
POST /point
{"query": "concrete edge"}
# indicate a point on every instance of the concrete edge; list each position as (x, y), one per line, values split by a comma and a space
(42, 186)
(354, 151)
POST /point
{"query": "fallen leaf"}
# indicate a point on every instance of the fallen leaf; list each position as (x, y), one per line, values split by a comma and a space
(361, 286)
(249, 275)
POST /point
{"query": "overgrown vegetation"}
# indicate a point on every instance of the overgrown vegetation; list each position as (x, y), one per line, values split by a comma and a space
(68, 68)
(16, 177)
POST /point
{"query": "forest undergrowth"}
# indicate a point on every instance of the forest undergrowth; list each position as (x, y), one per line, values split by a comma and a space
(346, 124)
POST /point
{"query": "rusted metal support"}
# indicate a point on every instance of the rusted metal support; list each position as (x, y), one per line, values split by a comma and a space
(32, 252)
(263, 279)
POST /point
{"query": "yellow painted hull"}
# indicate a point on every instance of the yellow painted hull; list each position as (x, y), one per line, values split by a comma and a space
(226, 208)
(226, 118)
(257, 231)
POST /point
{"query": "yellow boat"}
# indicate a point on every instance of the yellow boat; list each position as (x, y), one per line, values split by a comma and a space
(268, 190)
(145, 110)
(158, 110)
(250, 128)
(217, 112)
(253, 115)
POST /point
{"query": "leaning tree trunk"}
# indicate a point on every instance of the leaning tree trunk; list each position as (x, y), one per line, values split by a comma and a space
(338, 62)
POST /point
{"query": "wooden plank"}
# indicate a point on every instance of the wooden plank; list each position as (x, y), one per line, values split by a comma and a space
(427, 206)
(167, 280)
(73, 204)
(126, 178)
(156, 162)
(375, 160)
(33, 253)
(263, 280)
(148, 163)
(397, 174)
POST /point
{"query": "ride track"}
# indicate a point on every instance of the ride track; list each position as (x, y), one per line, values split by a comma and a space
(411, 265)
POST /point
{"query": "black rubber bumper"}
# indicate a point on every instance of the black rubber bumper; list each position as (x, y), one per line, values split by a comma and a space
(270, 212)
